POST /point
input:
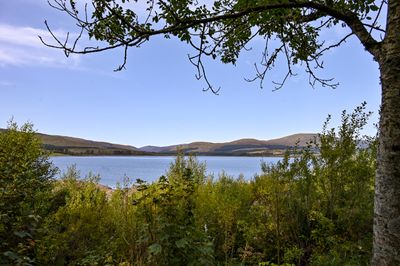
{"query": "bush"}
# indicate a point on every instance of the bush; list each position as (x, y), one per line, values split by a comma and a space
(25, 183)
(317, 207)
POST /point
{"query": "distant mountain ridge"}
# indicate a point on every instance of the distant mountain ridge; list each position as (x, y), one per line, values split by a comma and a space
(249, 147)
(242, 147)
(78, 146)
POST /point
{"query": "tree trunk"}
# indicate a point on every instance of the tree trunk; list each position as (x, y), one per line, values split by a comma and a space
(387, 184)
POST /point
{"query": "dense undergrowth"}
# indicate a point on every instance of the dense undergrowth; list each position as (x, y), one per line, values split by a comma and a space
(313, 209)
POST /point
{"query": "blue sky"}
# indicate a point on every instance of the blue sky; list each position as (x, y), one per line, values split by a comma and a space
(157, 100)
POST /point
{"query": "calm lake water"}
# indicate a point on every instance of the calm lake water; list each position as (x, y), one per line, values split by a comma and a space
(112, 169)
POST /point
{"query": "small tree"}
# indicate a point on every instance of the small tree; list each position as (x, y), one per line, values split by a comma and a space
(25, 180)
(317, 208)
(167, 208)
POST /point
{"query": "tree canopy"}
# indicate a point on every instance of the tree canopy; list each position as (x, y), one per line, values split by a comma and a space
(223, 29)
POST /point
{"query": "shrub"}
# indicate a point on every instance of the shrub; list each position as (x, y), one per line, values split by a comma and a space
(25, 182)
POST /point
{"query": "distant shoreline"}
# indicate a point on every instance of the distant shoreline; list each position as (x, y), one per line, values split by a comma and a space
(163, 155)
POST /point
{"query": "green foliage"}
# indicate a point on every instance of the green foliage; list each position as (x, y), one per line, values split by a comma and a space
(143, 224)
(314, 207)
(223, 36)
(318, 207)
(223, 29)
(221, 207)
(167, 207)
(77, 231)
(25, 183)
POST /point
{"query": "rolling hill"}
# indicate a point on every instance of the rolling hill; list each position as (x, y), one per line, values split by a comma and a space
(78, 146)
(242, 147)
(248, 147)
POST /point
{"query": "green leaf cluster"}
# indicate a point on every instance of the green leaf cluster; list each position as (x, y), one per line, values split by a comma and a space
(25, 185)
(294, 24)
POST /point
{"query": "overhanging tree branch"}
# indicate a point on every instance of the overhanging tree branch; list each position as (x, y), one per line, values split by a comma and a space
(134, 33)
